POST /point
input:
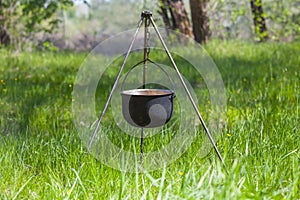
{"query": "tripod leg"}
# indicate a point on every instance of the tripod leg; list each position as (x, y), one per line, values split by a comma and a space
(115, 84)
(188, 94)
(142, 145)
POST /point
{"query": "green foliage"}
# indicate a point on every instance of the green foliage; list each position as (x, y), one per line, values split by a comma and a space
(233, 19)
(284, 19)
(42, 156)
(26, 20)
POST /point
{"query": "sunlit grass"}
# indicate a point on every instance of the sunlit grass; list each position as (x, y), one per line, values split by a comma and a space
(42, 157)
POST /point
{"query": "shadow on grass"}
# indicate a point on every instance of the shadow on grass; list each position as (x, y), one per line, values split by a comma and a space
(35, 99)
(38, 97)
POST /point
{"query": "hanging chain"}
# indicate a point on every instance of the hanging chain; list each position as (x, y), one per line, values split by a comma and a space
(148, 37)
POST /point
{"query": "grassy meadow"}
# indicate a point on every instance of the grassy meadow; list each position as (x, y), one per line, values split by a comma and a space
(42, 157)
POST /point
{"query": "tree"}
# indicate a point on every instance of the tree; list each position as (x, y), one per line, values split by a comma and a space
(4, 36)
(200, 20)
(21, 20)
(259, 20)
(179, 18)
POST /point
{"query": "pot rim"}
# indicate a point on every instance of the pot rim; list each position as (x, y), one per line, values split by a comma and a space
(147, 92)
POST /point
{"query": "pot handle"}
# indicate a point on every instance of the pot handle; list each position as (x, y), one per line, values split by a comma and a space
(157, 65)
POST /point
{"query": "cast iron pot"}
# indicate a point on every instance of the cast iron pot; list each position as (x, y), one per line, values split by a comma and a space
(147, 108)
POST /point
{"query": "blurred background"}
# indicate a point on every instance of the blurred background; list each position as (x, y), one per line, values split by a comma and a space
(80, 24)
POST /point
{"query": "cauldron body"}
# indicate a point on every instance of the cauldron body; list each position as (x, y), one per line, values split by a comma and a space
(147, 108)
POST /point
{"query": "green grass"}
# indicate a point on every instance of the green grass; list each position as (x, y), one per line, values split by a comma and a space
(42, 157)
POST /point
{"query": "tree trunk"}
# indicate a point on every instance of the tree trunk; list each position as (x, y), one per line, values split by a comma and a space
(200, 20)
(179, 18)
(164, 13)
(259, 20)
(4, 36)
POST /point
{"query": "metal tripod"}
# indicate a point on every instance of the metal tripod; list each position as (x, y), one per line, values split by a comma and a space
(147, 17)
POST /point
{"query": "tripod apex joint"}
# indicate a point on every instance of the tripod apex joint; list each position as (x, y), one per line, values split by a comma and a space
(146, 13)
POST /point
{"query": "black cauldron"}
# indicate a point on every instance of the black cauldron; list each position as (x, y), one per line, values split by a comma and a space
(147, 108)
